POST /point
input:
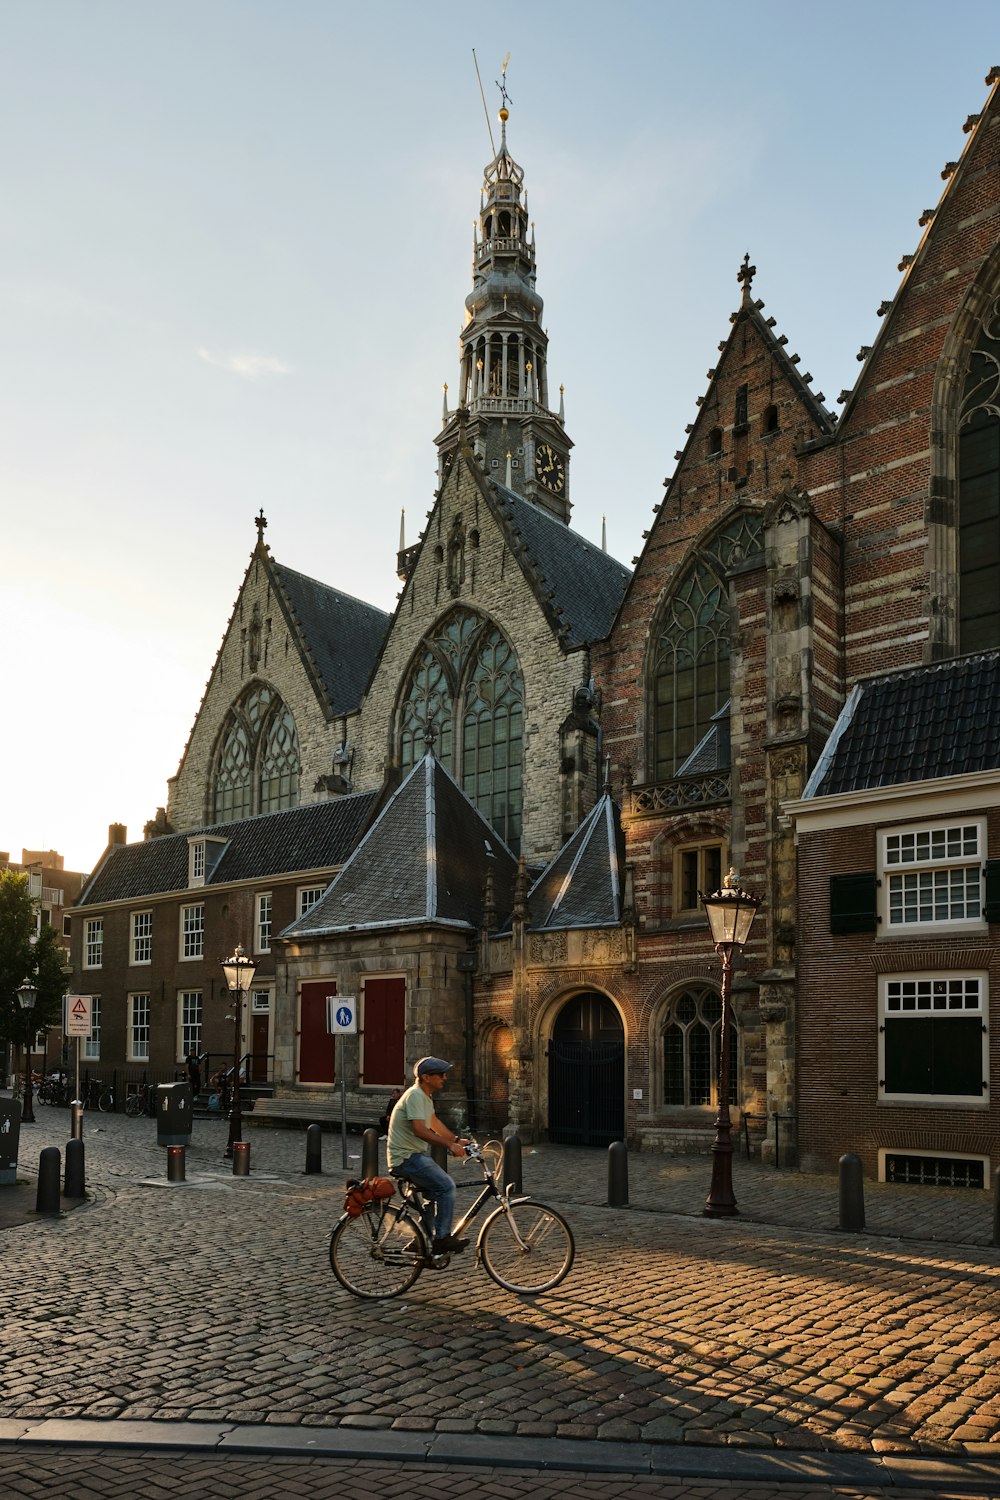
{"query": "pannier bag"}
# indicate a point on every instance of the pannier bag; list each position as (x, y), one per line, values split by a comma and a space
(371, 1190)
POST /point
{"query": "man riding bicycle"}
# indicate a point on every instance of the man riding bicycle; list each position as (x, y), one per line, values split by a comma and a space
(413, 1126)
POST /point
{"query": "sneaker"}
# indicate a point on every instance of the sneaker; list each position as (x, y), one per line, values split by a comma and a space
(449, 1244)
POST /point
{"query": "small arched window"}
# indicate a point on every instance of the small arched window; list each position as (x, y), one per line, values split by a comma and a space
(714, 446)
(691, 1035)
(769, 420)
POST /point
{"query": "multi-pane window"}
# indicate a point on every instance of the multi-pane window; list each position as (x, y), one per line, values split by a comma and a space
(142, 937)
(692, 1035)
(696, 869)
(932, 1037)
(93, 942)
(257, 765)
(932, 875)
(690, 663)
(138, 1028)
(92, 1043)
(196, 869)
(261, 1000)
(189, 1022)
(192, 932)
(263, 923)
(308, 896)
(466, 693)
(979, 493)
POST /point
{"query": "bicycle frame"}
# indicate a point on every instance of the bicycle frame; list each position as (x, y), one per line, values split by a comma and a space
(414, 1200)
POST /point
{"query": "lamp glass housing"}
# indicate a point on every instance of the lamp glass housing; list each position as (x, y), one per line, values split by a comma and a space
(239, 971)
(730, 916)
(27, 994)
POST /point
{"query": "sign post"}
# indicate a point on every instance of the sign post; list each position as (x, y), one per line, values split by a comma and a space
(341, 1021)
(79, 1015)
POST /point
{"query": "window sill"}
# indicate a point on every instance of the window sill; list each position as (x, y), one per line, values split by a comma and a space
(931, 1101)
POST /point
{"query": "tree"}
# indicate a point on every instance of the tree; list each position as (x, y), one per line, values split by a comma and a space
(23, 957)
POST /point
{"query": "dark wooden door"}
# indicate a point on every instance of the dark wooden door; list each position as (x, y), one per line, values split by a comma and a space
(383, 1022)
(315, 1045)
(259, 1037)
(587, 1073)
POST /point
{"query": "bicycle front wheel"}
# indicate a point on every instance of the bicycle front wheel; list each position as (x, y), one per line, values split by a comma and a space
(543, 1258)
(133, 1106)
(106, 1102)
(378, 1254)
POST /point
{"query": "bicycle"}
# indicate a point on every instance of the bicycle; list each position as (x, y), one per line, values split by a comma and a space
(141, 1102)
(98, 1095)
(524, 1246)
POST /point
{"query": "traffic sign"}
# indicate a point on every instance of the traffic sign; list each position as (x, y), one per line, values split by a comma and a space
(341, 1014)
(78, 1015)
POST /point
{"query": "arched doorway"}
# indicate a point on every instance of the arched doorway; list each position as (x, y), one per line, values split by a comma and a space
(587, 1073)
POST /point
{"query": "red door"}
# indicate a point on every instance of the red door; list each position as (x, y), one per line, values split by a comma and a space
(383, 1019)
(258, 1049)
(315, 1045)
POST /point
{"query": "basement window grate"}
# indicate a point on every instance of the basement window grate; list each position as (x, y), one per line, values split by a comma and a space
(935, 1171)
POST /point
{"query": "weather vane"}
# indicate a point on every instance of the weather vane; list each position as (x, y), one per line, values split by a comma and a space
(502, 83)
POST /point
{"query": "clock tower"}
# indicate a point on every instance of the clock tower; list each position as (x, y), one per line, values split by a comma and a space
(503, 395)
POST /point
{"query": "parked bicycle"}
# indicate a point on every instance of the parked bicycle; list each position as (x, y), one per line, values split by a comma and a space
(525, 1246)
(141, 1102)
(54, 1089)
(98, 1095)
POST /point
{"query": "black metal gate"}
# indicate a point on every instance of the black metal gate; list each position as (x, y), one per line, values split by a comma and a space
(586, 1092)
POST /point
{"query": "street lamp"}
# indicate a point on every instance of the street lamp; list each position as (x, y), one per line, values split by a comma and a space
(730, 911)
(239, 971)
(27, 995)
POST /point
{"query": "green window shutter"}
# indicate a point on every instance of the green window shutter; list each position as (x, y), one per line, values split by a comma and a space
(853, 903)
(992, 912)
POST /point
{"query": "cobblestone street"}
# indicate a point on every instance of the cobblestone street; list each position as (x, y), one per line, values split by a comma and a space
(212, 1302)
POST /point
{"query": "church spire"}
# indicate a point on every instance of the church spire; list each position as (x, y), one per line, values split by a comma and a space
(503, 380)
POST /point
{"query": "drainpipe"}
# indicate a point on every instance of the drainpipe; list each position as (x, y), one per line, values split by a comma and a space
(467, 969)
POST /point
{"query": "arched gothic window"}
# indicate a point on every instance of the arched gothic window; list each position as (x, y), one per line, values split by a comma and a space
(257, 763)
(692, 1032)
(466, 687)
(690, 676)
(979, 492)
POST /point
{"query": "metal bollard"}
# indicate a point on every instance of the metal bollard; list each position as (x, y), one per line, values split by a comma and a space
(439, 1154)
(47, 1197)
(241, 1158)
(73, 1178)
(314, 1149)
(176, 1156)
(76, 1120)
(852, 1194)
(618, 1175)
(369, 1153)
(512, 1179)
(996, 1207)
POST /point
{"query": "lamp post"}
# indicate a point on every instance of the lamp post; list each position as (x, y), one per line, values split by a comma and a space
(27, 995)
(239, 971)
(730, 912)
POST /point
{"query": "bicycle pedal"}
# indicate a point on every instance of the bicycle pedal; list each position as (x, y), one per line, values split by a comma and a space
(439, 1262)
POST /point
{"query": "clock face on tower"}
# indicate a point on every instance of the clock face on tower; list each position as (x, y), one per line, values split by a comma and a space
(550, 470)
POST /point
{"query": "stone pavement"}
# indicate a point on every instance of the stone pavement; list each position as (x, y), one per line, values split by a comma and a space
(769, 1337)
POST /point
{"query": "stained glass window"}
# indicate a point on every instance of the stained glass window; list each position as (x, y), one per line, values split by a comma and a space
(257, 765)
(979, 493)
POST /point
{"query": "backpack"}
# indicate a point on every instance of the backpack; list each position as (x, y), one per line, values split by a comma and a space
(390, 1105)
(371, 1190)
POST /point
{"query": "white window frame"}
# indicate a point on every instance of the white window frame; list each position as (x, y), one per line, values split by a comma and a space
(141, 938)
(196, 862)
(190, 1004)
(262, 922)
(192, 932)
(926, 871)
(260, 1002)
(92, 1043)
(93, 943)
(308, 896)
(139, 1010)
(896, 991)
(887, 1151)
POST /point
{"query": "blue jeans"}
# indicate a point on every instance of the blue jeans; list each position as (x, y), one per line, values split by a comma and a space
(437, 1185)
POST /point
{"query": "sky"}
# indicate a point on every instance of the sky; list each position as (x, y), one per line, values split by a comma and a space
(235, 244)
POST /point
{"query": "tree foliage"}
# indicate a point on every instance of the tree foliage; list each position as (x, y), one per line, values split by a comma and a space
(23, 957)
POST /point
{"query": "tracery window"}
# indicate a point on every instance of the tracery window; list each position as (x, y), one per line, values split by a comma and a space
(979, 492)
(690, 678)
(691, 1036)
(465, 689)
(257, 763)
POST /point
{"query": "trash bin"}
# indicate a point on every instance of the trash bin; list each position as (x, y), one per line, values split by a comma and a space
(10, 1133)
(173, 1114)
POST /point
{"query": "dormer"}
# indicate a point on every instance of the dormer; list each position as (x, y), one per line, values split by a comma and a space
(204, 852)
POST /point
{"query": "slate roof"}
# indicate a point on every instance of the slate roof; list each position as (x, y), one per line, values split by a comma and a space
(582, 887)
(713, 751)
(587, 584)
(930, 722)
(344, 635)
(315, 837)
(424, 859)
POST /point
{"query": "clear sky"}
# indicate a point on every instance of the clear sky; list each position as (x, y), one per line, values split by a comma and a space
(235, 242)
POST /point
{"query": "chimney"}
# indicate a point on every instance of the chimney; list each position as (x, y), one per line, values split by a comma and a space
(117, 834)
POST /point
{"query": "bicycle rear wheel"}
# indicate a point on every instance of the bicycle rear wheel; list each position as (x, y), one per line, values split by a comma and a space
(106, 1102)
(378, 1254)
(545, 1257)
(133, 1106)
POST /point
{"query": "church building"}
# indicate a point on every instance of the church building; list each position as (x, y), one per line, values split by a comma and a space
(490, 816)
